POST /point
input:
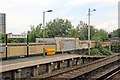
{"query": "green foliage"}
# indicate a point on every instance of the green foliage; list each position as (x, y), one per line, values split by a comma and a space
(101, 35)
(116, 47)
(55, 28)
(115, 33)
(103, 50)
(118, 32)
(82, 31)
(2, 38)
(11, 40)
(64, 28)
(73, 33)
(95, 52)
(36, 32)
(98, 50)
(16, 40)
(96, 34)
(84, 51)
(58, 27)
(106, 52)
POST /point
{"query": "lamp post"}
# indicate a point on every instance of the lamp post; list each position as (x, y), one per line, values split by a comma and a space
(44, 30)
(89, 29)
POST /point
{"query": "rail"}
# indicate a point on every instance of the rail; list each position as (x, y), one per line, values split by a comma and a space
(73, 72)
(109, 77)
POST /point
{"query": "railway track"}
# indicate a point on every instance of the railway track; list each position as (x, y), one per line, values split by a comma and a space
(102, 73)
(89, 71)
(115, 75)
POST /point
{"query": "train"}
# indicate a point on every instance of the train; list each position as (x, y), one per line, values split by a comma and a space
(57, 45)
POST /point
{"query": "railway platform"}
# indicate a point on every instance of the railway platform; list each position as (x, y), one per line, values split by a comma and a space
(33, 66)
(96, 70)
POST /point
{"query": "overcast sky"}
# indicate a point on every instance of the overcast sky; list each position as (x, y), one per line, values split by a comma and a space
(20, 14)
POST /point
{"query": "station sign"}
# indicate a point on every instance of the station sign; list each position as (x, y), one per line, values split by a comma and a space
(17, 36)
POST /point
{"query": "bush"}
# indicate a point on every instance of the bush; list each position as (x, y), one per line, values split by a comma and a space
(103, 50)
(116, 47)
(95, 52)
(106, 52)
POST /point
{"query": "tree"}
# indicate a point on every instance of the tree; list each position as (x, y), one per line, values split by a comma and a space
(115, 33)
(63, 28)
(102, 50)
(73, 33)
(58, 27)
(101, 35)
(82, 29)
(95, 34)
(36, 32)
(118, 31)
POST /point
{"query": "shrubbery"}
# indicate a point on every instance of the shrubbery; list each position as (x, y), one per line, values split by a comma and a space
(99, 50)
(95, 52)
(116, 47)
(106, 52)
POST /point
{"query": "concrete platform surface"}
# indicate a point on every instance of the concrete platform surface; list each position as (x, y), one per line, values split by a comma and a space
(32, 61)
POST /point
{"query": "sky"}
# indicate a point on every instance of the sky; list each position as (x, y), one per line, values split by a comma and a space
(20, 14)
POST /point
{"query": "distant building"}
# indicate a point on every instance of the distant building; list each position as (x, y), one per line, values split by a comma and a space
(119, 14)
(2, 23)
